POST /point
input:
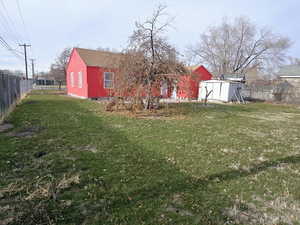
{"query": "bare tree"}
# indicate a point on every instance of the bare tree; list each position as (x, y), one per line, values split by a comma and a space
(236, 47)
(207, 94)
(293, 61)
(147, 60)
(58, 68)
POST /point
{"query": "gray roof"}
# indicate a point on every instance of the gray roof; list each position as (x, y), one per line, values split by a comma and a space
(99, 58)
(289, 70)
(233, 77)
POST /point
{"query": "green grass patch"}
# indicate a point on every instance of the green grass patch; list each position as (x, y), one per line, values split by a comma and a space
(221, 164)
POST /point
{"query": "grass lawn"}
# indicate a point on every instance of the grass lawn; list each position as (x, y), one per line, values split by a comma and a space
(66, 161)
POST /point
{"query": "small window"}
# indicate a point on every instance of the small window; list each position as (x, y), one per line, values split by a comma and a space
(108, 80)
(72, 79)
(80, 78)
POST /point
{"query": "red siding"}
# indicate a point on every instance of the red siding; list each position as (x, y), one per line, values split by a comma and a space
(188, 85)
(76, 65)
(96, 82)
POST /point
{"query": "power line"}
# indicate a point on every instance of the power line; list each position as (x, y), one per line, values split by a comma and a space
(9, 48)
(22, 19)
(9, 24)
(24, 24)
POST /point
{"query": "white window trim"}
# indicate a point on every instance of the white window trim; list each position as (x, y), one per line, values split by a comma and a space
(72, 79)
(112, 81)
(80, 79)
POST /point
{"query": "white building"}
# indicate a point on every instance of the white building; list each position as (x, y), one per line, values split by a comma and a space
(220, 90)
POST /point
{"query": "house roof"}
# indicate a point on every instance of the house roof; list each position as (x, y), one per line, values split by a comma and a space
(192, 68)
(289, 71)
(99, 58)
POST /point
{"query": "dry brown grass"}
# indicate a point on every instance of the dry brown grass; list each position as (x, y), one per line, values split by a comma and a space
(29, 202)
(155, 114)
(281, 210)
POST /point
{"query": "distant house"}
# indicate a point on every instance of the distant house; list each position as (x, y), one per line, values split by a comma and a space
(90, 74)
(290, 74)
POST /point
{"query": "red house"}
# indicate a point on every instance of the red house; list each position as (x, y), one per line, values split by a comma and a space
(188, 85)
(90, 74)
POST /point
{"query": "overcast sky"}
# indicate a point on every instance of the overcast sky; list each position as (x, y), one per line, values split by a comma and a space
(51, 25)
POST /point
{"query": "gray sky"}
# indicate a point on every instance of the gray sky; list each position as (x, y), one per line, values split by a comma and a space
(51, 25)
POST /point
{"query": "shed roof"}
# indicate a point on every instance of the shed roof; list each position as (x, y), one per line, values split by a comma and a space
(233, 76)
(290, 70)
(219, 81)
(99, 58)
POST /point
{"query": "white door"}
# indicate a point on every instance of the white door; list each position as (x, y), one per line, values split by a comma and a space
(164, 89)
(174, 93)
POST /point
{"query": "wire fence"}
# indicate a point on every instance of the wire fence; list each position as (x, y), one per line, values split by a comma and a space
(12, 89)
(281, 92)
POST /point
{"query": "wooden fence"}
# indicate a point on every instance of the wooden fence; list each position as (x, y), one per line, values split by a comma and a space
(12, 89)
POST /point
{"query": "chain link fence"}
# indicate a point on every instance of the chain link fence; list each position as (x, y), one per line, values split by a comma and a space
(281, 92)
(12, 89)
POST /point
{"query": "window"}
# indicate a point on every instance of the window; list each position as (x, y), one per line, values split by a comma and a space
(80, 78)
(72, 79)
(108, 80)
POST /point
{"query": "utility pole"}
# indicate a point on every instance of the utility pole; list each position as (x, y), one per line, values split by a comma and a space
(25, 54)
(32, 68)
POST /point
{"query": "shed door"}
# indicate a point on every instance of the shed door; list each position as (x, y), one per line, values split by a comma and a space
(216, 91)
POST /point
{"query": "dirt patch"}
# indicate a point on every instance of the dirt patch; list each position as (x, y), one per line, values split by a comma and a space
(88, 148)
(280, 117)
(5, 127)
(118, 126)
(39, 154)
(177, 206)
(281, 210)
(252, 132)
(27, 132)
(30, 102)
(159, 114)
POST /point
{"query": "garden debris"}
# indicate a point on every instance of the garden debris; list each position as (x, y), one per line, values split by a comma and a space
(5, 126)
(40, 192)
(11, 189)
(66, 182)
(52, 188)
(25, 209)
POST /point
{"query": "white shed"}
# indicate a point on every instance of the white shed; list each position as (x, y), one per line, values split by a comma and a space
(221, 90)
